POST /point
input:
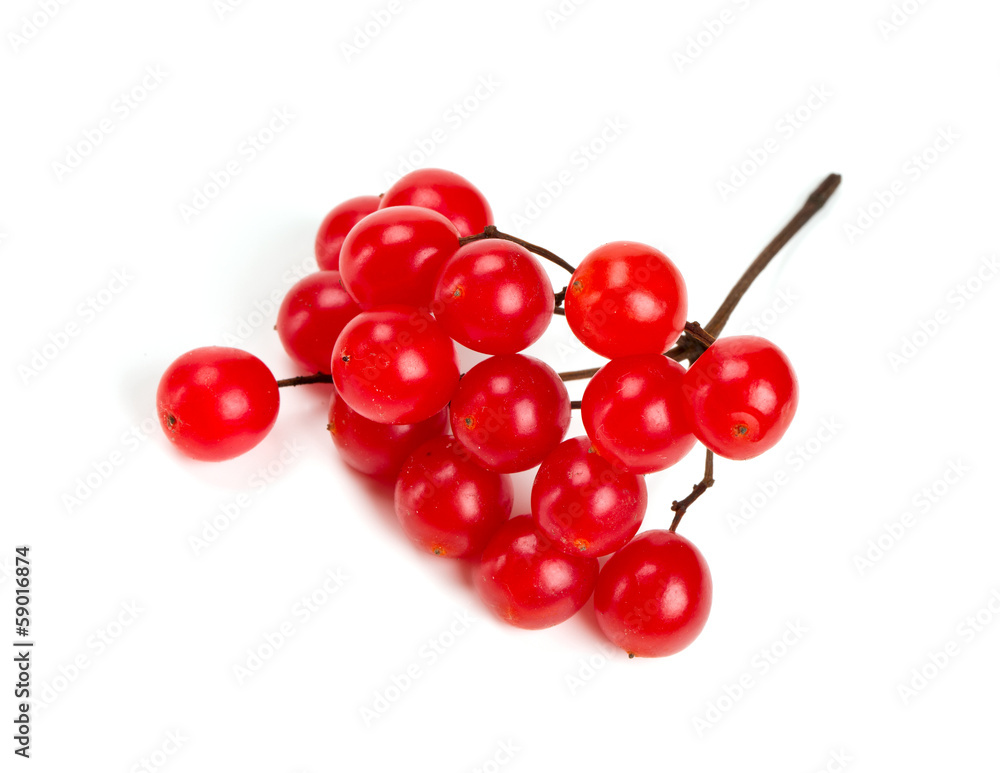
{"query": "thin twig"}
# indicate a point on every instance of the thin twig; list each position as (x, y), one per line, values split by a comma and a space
(700, 488)
(318, 378)
(578, 375)
(813, 204)
(491, 232)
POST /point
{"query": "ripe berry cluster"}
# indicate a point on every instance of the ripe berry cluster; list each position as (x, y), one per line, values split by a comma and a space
(404, 277)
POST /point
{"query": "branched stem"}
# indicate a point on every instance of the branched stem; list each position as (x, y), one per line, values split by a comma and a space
(491, 232)
(693, 341)
(700, 488)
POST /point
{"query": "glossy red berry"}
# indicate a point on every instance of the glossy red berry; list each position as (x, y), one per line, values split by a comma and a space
(379, 450)
(216, 403)
(653, 596)
(311, 317)
(395, 365)
(583, 503)
(510, 412)
(493, 296)
(526, 582)
(626, 298)
(447, 504)
(635, 413)
(742, 394)
(444, 192)
(394, 255)
(335, 227)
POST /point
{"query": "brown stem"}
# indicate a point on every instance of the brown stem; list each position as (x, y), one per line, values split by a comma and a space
(813, 204)
(575, 405)
(491, 232)
(700, 488)
(578, 375)
(318, 378)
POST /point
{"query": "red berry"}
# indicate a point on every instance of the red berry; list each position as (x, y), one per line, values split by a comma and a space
(654, 595)
(394, 255)
(494, 297)
(510, 412)
(587, 506)
(379, 450)
(311, 317)
(526, 582)
(626, 298)
(445, 192)
(335, 226)
(395, 365)
(216, 403)
(447, 504)
(742, 394)
(635, 413)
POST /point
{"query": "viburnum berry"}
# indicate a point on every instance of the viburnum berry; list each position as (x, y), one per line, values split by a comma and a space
(215, 403)
(525, 581)
(335, 227)
(378, 450)
(394, 255)
(447, 504)
(510, 412)
(742, 394)
(311, 317)
(626, 298)
(445, 192)
(653, 596)
(635, 414)
(493, 296)
(584, 503)
(395, 365)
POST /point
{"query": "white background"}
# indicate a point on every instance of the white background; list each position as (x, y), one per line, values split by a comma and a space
(906, 406)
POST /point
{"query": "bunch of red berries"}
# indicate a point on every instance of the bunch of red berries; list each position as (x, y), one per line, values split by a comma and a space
(405, 276)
